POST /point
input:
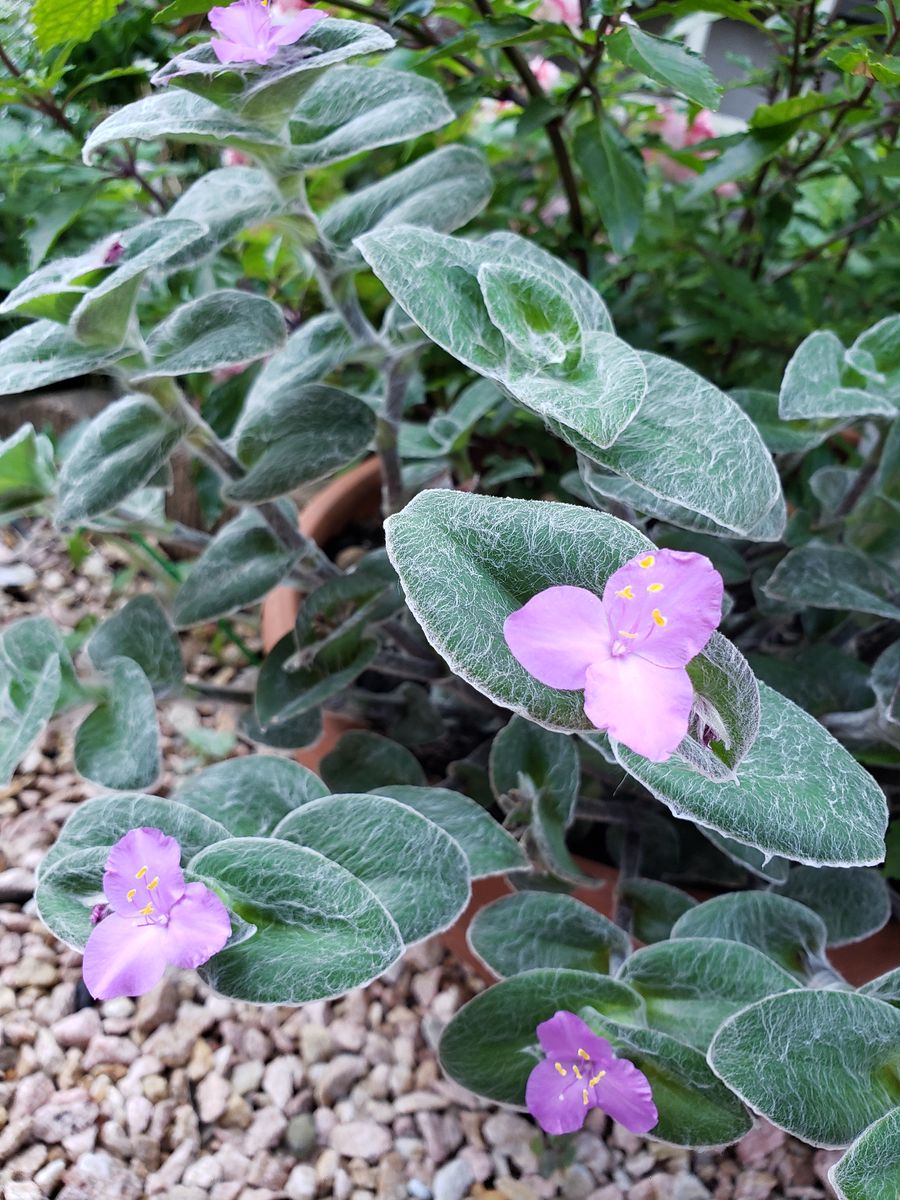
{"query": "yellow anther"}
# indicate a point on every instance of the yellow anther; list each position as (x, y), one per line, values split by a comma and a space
(626, 593)
(583, 1054)
(153, 883)
(585, 1095)
(655, 587)
(624, 633)
(593, 1082)
(575, 1069)
(646, 562)
(145, 912)
(659, 618)
(129, 896)
(562, 1070)
(141, 873)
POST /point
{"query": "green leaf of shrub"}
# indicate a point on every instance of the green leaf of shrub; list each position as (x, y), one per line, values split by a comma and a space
(282, 695)
(227, 326)
(666, 62)
(249, 796)
(223, 202)
(826, 576)
(821, 1065)
(43, 353)
(854, 902)
(616, 180)
(58, 21)
(117, 745)
(304, 947)
(812, 384)
(26, 471)
(655, 907)
(25, 716)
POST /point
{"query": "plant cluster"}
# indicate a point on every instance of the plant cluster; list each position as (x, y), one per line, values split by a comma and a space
(717, 734)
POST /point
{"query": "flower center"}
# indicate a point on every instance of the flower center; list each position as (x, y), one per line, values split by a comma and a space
(142, 896)
(584, 1074)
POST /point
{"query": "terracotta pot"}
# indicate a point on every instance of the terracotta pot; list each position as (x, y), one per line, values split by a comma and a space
(356, 494)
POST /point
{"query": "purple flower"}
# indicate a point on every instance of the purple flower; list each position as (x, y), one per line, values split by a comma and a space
(581, 1072)
(248, 33)
(156, 918)
(629, 650)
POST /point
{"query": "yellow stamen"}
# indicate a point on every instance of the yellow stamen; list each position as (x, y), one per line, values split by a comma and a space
(659, 618)
(562, 1070)
(141, 873)
(655, 587)
(597, 1078)
(575, 1069)
(624, 633)
(585, 1094)
(583, 1054)
(646, 562)
(145, 912)
(129, 896)
(153, 883)
(626, 593)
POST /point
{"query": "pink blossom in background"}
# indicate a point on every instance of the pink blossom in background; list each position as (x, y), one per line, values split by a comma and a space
(629, 650)
(567, 11)
(248, 33)
(547, 73)
(156, 919)
(582, 1072)
(223, 374)
(675, 131)
(235, 158)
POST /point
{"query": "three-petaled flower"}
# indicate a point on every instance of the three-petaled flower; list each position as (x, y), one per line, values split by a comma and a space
(247, 32)
(156, 920)
(629, 650)
(581, 1072)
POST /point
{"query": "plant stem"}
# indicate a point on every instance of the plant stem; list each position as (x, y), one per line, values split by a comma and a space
(847, 232)
(629, 868)
(386, 436)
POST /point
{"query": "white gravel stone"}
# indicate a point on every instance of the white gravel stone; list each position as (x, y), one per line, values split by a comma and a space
(453, 1180)
(361, 1139)
(302, 1183)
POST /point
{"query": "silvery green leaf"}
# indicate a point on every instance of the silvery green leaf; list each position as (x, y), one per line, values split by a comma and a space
(772, 869)
(819, 1064)
(886, 987)
(827, 576)
(691, 445)
(351, 109)
(362, 758)
(319, 931)
(103, 316)
(532, 930)
(490, 1045)
(798, 793)
(601, 485)
(727, 707)
(485, 843)
(819, 677)
(301, 730)
(317, 347)
(283, 695)
(416, 869)
(691, 985)
(449, 430)
(787, 932)
(179, 116)
(25, 712)
(43, 353)
(54, 289)
(224, 202)
(885, 680)
(782, 437)
(542, 767)
(534, 316)
(27, 474)
(67, 891)
(227, 326)
(117, 745)
(694, 1110)
(249, 796)
(854, 902)
(116, 453)
(812, 384)
(831, 486)
(666, 62)
(870, 1170)
(442, 190)
(310, 433)
(242, 563)
(140, 631)
(655, 907)
(99, 823)
(25, 646)
(881, 343)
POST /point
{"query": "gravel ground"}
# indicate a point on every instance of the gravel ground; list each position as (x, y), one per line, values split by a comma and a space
(185, 1095)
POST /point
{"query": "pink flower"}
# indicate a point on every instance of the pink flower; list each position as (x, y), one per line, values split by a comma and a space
(629, 650)
(581, 1072)
(675, 131)
(547, 73)
(567, 11)
(235, 158)
(156, 920)
(249, 33)
(282, 8)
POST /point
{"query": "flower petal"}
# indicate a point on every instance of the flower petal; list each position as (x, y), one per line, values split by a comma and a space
(558, 634)
(664, 604)
(144, 867)
(564, 1034)
(123, 958)
(227, 52)
(641, 705)
(286, 35)
(624, 1093)
(556, 1103)
(199, 926)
